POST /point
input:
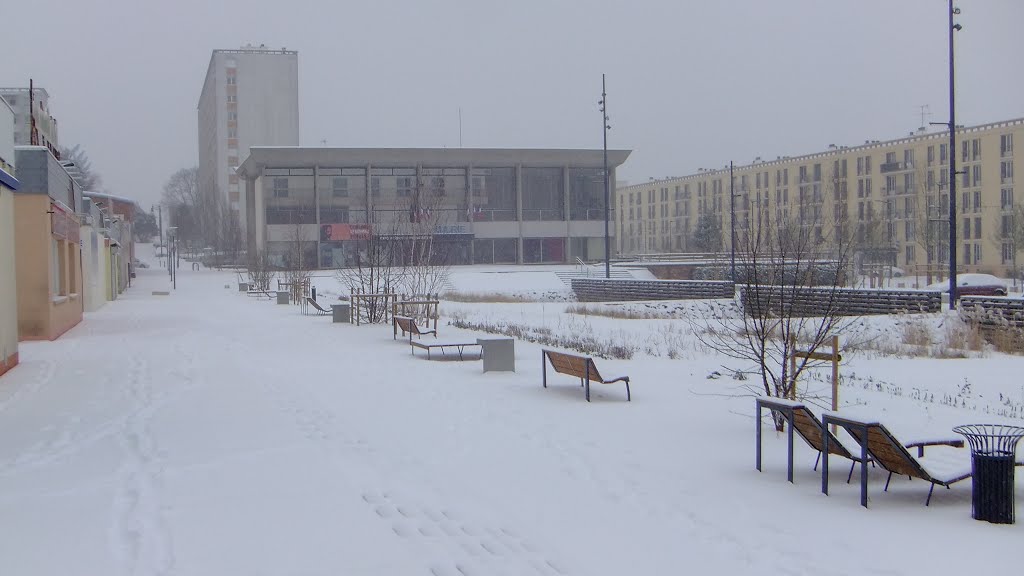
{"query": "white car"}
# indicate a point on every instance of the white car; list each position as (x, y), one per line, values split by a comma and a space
(973, 285)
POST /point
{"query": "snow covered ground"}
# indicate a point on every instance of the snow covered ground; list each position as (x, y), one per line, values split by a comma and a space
(206, 432)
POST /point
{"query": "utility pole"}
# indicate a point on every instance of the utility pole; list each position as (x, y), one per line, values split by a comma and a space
(953, 27)
(607, 193)
(732, 225)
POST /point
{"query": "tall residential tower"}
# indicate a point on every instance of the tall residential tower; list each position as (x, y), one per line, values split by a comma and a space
(250, 98)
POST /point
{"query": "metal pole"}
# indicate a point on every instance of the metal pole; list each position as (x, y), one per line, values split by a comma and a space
(952, 164)
(732, 225)
(607, 189)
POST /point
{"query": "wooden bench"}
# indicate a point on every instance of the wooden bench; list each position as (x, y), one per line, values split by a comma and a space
(408, 326)
(442, 345)
(582, 367)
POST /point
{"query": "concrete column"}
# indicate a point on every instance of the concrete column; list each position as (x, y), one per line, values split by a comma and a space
(316, 208)
(253, 210)
(519, 213)
(469, 212)
(566, 218)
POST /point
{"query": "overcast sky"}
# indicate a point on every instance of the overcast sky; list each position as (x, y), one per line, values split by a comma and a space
(690, 84)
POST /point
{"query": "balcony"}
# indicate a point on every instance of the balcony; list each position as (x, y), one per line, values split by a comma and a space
(888, 167)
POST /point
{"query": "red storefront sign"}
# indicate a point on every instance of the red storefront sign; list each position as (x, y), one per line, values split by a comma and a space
(339, 232)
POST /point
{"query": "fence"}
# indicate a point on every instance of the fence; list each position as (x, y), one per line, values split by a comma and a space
(993, 310)
(617, 290)
(808, 301)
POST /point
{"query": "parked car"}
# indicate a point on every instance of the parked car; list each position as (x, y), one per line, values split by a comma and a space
(973, 285)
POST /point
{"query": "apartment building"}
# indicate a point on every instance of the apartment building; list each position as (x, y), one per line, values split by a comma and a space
(893, 196)
(8, 263)
(476, 205)
(33, 123)
(250, 98)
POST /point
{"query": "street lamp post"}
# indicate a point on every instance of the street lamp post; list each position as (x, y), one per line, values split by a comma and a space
(603, 103)
(732, 225)
(172, 244)
(953, 27)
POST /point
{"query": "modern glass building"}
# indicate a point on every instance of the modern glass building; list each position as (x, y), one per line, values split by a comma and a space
(474, 205)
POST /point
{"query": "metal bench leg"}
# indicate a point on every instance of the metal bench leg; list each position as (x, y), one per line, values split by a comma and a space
(887, 482)
(628, 395)
(930, 490)
(850, 477)
(817, 461)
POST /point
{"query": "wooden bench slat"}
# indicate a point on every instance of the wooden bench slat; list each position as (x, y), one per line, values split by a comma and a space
(582, 367)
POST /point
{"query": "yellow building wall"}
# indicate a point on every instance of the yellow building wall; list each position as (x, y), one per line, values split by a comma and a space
(42, 313)
(8, 284)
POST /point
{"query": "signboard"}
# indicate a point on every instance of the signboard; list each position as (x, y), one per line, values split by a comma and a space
(340, 232)
(454, 228)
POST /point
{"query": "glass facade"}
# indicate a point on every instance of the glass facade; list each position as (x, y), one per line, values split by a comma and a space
(494, 194)
(543, 194)
(291, 199)
(340, 207)
(586, 194)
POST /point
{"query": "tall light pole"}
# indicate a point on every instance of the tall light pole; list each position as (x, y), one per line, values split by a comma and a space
(953, 27)
(603, 103)
(732, 225)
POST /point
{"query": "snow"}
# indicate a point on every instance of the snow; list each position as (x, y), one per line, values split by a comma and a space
(211, 433)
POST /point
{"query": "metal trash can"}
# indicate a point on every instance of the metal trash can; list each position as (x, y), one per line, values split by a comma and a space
(993, 456)
(340, 313)
(282, 297)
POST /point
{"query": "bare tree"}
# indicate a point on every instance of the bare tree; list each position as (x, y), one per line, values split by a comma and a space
(1009, 231)
(299, 263)
(82, 171)
(260, 271)
(779, 261)
(427, 261)
(182, 197)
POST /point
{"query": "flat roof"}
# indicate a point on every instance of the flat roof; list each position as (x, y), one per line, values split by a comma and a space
(307, 157)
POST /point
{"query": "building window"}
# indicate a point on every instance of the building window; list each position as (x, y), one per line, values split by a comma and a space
(232, 98)
(232, 80)
(976, 149)
(1006, 198)
(339, 187)
(403, 186)
(910, 253)
(375, 186)
(1007, 253)
(977, 228)
(977, 253)
(931, 155)
(943, 154)
(57, 268)
(977, 200)
(232, 132)
(967, 253)
(1005, 145)
(280, 187)
(976, 172)
(967, 228)
(1006, 171)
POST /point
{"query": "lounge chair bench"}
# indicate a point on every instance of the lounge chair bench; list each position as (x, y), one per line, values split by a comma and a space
(408, 326)
(878, 443)
(582, 367)
(429, 345)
